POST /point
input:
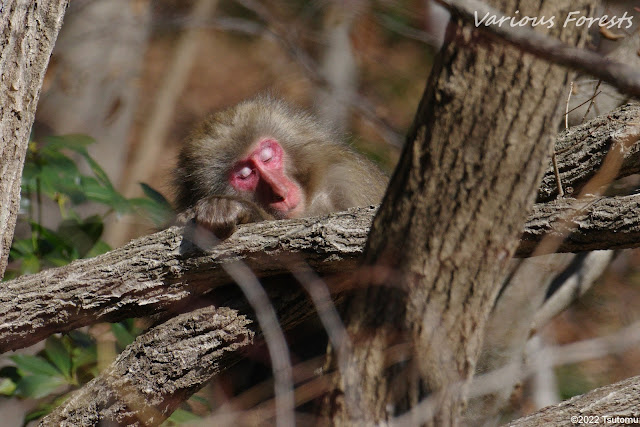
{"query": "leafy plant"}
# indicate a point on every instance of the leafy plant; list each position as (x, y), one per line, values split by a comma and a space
(51, 173)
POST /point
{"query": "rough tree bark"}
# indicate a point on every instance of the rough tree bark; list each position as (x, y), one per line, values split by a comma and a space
(498, 245)
(449, 223)
(161, 273)
(187, 350)
(155, 273)
(27, 36)
(612, 405)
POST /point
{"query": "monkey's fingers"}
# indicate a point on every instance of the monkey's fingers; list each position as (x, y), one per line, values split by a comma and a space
(219, 215)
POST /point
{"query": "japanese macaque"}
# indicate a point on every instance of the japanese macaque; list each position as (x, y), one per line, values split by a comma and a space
(262, 159)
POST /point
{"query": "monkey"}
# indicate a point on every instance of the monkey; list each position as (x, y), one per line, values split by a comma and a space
(263, 159)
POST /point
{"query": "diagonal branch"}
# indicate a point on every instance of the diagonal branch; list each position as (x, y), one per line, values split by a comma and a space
(160, 370)
(581, 150)
(162, 270)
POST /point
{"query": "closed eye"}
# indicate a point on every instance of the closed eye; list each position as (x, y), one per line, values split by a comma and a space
(266, 154)
(244, 173)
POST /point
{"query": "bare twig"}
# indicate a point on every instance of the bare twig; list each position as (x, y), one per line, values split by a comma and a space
(591, 101)
(496, 380)
(566, 112)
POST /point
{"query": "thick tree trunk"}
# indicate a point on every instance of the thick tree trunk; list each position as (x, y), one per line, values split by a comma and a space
(440, 243)
(28, 33)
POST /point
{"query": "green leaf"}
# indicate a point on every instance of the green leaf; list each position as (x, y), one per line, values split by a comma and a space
(158, 213)
(59, 354)
(79, 144)
(155, 195)
(98, 249)
(60, 175)
(181, 416)
(34, 365)
(37, 386)
(81, 234)
(123, 336)
(53, 244)
(7, 386)
(84, 356)
(58, 259)
(29, 174)
(30, 264)
(44, 408)
(40, 411)
(97, 192)
(10, 372)
(74, 142)
(98, 172)
(81, 338)
(202, 401)
(21, 248)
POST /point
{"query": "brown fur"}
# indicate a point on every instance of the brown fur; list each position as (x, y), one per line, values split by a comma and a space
(332, 176)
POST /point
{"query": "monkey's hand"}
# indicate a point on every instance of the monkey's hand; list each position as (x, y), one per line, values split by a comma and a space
(221, 214)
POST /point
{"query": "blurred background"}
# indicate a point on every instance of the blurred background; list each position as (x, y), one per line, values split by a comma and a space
(137, 75)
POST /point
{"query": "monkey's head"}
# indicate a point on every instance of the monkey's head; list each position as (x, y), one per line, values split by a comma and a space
(262, 159)
(261, 151)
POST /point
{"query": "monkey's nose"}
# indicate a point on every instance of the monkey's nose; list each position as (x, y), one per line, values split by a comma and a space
(277, 183)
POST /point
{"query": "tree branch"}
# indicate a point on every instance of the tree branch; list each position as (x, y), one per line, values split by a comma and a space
(161, 270)
(160, 370)
(620, 399)
(580, 150)
(586, 225)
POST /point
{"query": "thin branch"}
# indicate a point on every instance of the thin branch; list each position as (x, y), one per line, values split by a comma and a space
(616, 399)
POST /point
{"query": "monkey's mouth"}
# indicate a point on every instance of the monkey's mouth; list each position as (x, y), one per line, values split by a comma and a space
(289, 206)
(286, 208)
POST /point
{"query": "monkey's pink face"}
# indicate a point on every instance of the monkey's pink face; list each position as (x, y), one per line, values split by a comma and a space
(262, 173)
